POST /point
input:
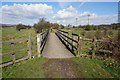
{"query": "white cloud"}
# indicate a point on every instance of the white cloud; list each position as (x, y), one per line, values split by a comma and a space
(31, 11)
(69, 15)
(26, 10)
(66, 13)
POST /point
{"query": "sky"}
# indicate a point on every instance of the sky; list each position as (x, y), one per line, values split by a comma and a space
(15, 12)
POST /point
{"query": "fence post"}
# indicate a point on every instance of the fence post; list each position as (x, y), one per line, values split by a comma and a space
(13, 54)
(79, 45)
(29, 47)
(38, 45)
(94, 47)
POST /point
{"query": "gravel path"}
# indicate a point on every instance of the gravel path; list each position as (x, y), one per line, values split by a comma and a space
(55, 49)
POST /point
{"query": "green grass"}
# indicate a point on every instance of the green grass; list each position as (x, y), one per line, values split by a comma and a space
(86, 68)
(13, 34)
(95, 68)
(26, 69)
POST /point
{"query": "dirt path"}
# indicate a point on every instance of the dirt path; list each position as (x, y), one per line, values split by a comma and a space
(59, 68)
(55, 49)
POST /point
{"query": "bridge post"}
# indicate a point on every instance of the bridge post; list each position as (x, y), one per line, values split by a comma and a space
(79, 45)
(38, 44)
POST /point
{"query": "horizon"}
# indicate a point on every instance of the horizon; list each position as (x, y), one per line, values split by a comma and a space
(64, 13)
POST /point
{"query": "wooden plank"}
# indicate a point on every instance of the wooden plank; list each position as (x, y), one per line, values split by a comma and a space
(5, 54)
(106, 51)
(87, 39)
(13, 41)
(63, 31)
(86, 48)
(75, 34)
(69, 37)
(9, 63)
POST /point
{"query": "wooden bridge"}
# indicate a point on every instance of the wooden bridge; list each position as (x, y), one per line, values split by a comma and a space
(52, 45)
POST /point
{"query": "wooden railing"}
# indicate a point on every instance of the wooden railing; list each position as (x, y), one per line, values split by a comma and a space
(41, 40)
(75, 41)
(67, 40)
(13, 52)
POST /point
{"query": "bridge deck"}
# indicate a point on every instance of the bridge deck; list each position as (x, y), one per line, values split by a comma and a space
(55, 49)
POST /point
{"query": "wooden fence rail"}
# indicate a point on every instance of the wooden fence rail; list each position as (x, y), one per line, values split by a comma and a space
(76, 39)
(66, 40)
(41, 38)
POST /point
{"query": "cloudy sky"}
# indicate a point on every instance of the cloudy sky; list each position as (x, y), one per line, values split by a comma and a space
(59, 12)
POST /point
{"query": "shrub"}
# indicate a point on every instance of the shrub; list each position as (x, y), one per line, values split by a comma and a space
(110, 33)
(83, 33)
(20, 26)
(42, 24)
(88, 28)
(98, 34)
(62, 27)
(55, 26)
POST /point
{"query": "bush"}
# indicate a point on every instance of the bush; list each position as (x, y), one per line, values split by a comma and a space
(62, 27)
(88, 27)
(98, 34)
(110, 33)
(55, 26)
(83, 33)
(20, 26)
(41, 25)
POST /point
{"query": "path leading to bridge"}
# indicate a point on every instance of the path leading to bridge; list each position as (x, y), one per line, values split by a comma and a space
(55, 49)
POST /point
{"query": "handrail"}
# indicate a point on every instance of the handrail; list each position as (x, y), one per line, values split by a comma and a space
(66, 40)
(44, 36)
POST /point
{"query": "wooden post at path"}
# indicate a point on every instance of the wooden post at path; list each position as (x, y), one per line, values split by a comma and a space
(79, 46)
(94, 47)
(38, 44)
(29, 47)
(13, 54)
